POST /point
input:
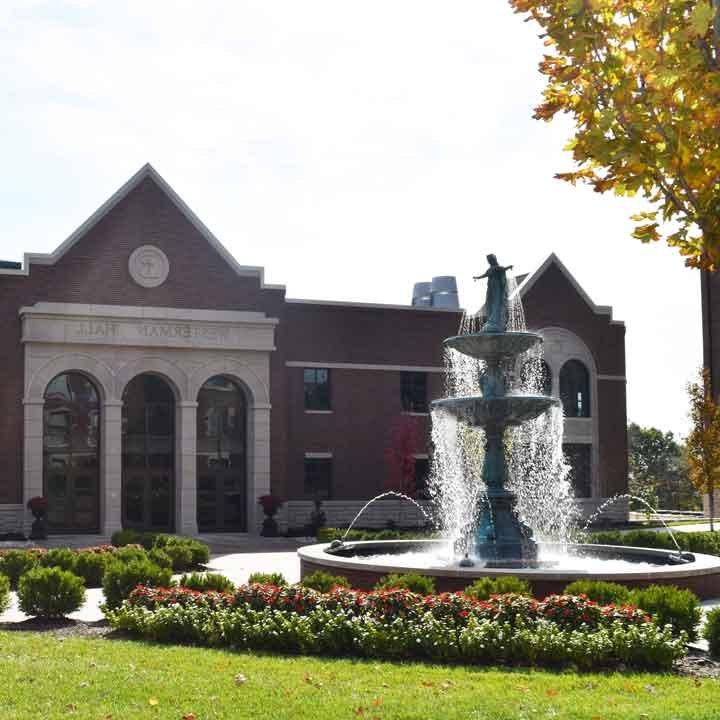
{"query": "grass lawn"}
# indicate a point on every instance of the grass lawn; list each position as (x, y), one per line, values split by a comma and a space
(44, 676)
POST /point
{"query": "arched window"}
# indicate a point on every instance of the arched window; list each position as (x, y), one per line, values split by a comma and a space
(221, 455)
(575, 389)
(536, 377)
(71, 440)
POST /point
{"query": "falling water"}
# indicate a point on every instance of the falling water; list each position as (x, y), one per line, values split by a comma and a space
(537, 470)
(389, 493)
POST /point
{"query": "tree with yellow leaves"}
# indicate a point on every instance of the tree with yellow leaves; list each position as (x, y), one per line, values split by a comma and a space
(703, 444)
(641, 79)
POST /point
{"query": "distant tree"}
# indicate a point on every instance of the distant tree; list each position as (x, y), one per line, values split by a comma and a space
(657, 468)
(400, 455)
(641, 81)
(703, 442)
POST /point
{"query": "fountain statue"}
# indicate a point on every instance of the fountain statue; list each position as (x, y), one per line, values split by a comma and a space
(498, 537)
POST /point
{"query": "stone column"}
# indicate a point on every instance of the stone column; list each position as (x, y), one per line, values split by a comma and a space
(186, 469)
(111, 467)
(32, 456)
(259, 471)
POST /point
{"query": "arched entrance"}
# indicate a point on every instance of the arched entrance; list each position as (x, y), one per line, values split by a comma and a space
(221, 456)
(71, 460)
(148, 454)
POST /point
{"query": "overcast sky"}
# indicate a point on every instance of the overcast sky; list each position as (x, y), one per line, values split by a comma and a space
(350, 148)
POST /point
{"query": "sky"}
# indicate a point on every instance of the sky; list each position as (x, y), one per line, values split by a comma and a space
(351, 149)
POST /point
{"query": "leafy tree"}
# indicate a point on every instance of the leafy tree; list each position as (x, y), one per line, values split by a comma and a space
(400, 455)
(641, 79)
(703, 443)
(658, 469)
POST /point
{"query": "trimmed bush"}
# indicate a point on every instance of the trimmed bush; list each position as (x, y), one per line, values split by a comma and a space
(130, 553)
(324, 582)
(121, 578)
(207, 581)
(15, 563)
(62, 558)
(4, 593)
(420, 584)
(699, 542)
(711, 631)
(485, 587)
(133, 537)
(605, 593)
(160, 558)
(328, 534)
(50, 592)
(261, 578)
(669, 605)
(90, 566)
(180, 556)
(199, 552)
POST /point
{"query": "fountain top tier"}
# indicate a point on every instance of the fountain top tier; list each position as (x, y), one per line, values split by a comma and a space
(493, 345)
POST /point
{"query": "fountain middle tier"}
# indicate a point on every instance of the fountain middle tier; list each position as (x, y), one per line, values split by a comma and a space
(502, 411)
(497, 346)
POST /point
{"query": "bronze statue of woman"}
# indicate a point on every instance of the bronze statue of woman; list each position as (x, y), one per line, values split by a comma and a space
(496, 297)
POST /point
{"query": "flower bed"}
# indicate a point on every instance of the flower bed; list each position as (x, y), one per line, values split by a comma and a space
(451, 627)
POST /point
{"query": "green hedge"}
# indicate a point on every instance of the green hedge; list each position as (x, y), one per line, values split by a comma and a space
(121, 579)
(711, 631)
(4, 593)
(699, 542)
(326, 535)
(420, 584)
(50, 592)
(600, 591)
(485, 587)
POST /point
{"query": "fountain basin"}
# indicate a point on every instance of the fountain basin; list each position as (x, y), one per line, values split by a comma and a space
(506, 410)
(493, 345)
(364, 563)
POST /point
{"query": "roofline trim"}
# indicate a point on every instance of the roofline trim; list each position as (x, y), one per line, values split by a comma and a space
(367, 305)
(146, 171)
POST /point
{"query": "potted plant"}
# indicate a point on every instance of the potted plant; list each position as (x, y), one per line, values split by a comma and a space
(38, 506)
(270, 505)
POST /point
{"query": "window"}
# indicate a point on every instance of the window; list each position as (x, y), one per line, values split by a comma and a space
(317, 388)
(413, 392)
(422, 478)
(318, 478)
(575, 389)
(536, 377)
(578, 457)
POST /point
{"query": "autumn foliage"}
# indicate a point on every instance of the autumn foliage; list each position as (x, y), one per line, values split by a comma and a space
(641, 79)
(400, 455)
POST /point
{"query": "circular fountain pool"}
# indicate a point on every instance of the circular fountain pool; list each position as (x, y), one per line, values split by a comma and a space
(364, 563)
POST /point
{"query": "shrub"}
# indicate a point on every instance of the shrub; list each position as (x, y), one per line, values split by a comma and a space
(50, 592)
(670, 605)
(207, 581)
(160, 558)
(199, 552)
(486, 587)
(328, 534)
(130, 553)
(274, 578)
(699, 542)
(420, 584)
(121, 578)
(324, 582)
(121, 538)
(180, 556)
(62, 558)
(605, 593)
(90, 566)
(15, 563)
(711, 631)
(4, 593)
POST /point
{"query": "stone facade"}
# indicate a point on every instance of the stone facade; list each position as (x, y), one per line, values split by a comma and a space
(143, 287)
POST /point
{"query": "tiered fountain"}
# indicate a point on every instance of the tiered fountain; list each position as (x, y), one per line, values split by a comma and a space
(496, 541)
(499, 538)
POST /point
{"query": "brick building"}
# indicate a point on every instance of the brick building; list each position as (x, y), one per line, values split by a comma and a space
(151, 381)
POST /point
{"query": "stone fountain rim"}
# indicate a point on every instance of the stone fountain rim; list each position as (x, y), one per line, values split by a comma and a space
(701, 565)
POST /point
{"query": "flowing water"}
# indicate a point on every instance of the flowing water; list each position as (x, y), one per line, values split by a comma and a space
(389, 493)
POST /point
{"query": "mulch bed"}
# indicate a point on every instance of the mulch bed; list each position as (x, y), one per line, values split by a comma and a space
(62, 627)
(698, 664)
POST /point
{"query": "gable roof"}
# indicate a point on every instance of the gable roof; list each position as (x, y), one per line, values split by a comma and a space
(529, 280)
(146, 171)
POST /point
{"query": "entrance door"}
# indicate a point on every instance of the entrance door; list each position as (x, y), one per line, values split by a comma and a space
(221, 456)
(148, 455)
(71, 462)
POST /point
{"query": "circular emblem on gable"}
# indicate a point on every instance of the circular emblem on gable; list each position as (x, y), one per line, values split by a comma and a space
(149, 266)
